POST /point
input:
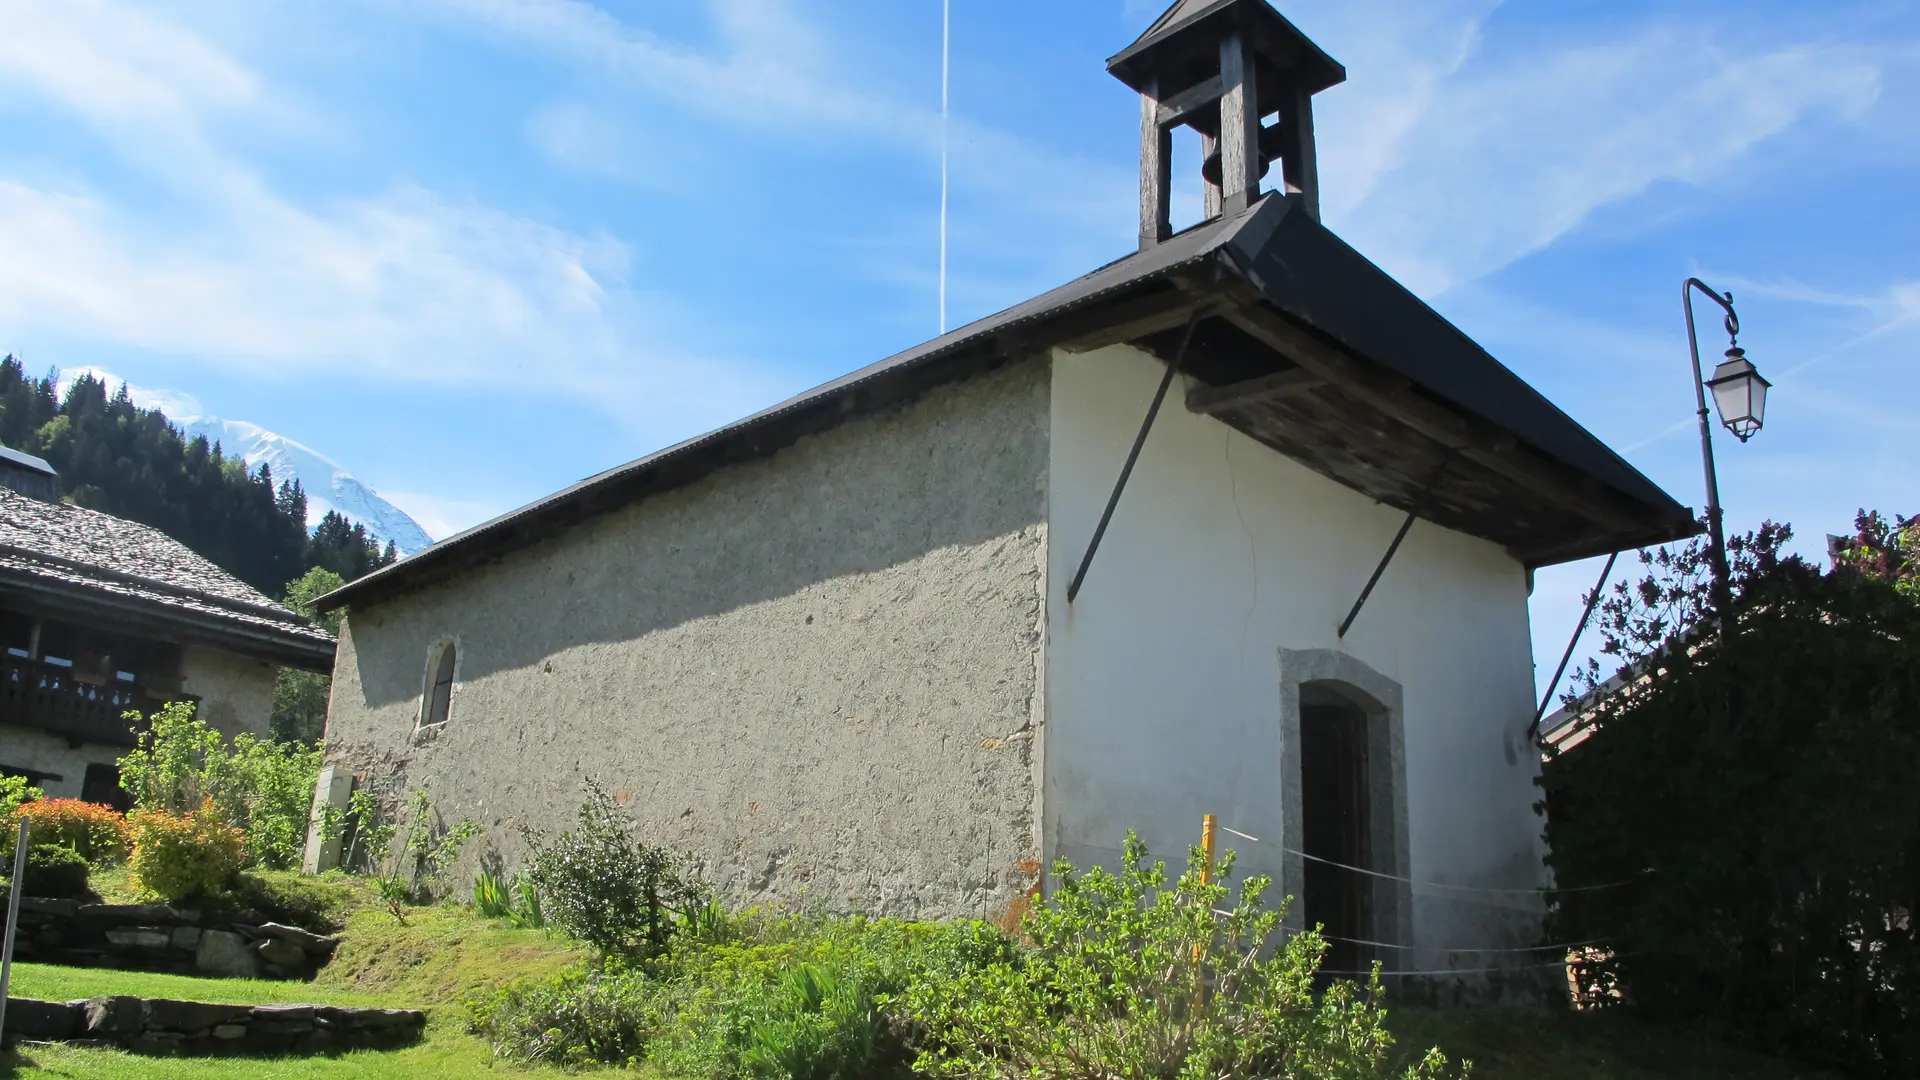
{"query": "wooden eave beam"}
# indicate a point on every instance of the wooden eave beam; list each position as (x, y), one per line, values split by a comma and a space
(1183, 105)
(1097, 329)
(1210, 400)
(1476, 441)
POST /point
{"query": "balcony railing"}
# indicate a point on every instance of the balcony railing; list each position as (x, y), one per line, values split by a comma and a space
(49, 697)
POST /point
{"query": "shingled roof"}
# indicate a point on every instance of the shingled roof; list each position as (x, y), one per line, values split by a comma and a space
(89, 566)
(1381, 394)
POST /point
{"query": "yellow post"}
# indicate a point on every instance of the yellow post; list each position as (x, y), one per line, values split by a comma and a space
(1207, 823)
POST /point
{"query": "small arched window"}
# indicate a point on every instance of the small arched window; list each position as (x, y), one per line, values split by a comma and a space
(437, 703)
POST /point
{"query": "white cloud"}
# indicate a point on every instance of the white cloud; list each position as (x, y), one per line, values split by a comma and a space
(1508, 156)
(403, 284)
(180, 406)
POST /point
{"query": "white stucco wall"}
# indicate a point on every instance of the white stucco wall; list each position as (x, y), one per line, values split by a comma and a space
(235, 692)
(1162, 682)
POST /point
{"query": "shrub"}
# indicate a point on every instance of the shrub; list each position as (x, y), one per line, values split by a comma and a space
(1127, 977)
(98, 833)
(806, 1022)
(52, 871)
(606, 887)
(1754, 789)
(185, 856)
(810, 998)
(263, 787)
(582, 1016)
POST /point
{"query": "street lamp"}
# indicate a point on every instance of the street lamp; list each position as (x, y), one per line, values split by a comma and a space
(1740, 395)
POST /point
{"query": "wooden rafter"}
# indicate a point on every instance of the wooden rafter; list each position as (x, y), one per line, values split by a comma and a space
(1397, 398)
(1219, 399)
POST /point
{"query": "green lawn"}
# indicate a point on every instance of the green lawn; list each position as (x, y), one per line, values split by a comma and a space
(432, 962)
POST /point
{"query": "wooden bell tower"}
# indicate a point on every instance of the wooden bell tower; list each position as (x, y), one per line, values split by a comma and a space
(1221, 67)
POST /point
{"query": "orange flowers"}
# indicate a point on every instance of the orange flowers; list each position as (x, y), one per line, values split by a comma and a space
(96, 832)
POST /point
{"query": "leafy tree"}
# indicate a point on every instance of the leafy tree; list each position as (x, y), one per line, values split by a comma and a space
(1740, 828)
(300, 697)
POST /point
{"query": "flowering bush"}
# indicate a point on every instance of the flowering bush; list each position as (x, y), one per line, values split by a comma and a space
(179, 857)
(96, 832)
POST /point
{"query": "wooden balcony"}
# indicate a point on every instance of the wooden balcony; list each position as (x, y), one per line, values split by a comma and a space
(50, 698)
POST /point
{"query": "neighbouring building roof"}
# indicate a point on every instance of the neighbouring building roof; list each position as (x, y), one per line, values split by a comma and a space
(1399, 404)
(26, 461)
(90, 566)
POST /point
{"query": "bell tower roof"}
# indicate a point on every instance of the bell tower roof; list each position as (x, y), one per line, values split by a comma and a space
(1186, 38)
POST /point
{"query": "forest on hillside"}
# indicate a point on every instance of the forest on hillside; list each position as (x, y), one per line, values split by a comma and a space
(118, 458)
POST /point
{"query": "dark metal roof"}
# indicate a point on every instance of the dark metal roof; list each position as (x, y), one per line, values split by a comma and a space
(1267, 257)
(1188, 32)
(26, 461)
(87, 563)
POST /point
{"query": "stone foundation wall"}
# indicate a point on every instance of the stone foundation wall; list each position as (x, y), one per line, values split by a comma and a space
(154, 937)
(165, 1026)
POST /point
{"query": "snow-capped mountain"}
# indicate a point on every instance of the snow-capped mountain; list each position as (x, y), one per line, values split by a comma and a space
(327, 484)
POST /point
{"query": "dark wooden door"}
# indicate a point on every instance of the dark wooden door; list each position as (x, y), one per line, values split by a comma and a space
(1333, 790)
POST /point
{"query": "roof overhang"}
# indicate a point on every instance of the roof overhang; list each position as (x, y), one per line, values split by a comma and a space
(72, 601)
(1299, 342)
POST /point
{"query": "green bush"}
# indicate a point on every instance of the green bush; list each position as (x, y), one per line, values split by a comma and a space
(582, 1016)
(56, 871)
(1755, 792)
(263, 787)
(179, 857)
(603, 885)
(1129, 978)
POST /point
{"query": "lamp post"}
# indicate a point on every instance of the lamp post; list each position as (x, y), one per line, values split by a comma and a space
(1740, 396)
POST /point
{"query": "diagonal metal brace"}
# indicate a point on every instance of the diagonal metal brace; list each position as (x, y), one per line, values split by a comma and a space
(1140, 440)
(1593, 599)
(1405, 527)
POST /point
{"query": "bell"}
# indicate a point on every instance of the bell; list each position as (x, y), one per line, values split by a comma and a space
(1269, 153)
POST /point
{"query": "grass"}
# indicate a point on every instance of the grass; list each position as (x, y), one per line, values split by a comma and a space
(1556, 1044)
(441, 954)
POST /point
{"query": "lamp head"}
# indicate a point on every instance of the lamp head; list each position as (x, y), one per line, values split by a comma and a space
(1739, 394)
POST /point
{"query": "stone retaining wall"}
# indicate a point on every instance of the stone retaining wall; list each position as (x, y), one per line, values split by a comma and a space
(164, 1026)
(155, 937)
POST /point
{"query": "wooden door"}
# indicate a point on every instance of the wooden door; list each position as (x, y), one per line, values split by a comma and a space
(1333, 789)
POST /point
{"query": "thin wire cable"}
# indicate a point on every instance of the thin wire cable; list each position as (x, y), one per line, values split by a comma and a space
(1460, 888)
(1566, 947)
(1386, 973)
(946, 37)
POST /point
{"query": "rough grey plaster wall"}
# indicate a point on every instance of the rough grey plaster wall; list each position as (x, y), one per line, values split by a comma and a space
(236, 693)
(817, 672)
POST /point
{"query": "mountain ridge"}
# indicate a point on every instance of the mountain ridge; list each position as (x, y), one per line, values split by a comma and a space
(328, 484)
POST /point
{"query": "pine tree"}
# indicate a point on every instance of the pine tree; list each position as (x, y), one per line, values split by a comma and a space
(115, 457)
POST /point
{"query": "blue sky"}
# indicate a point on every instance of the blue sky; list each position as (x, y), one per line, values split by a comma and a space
(477, 249)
